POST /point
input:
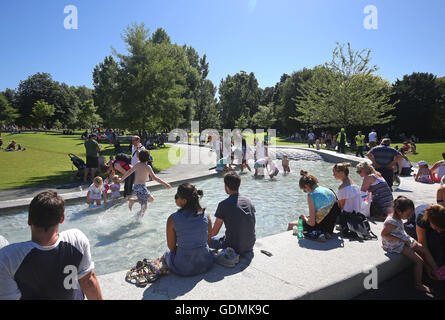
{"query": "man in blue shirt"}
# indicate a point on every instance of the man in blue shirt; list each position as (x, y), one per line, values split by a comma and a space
(238, 215)
(383, 159)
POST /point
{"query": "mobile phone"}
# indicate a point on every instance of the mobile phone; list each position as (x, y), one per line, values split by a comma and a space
(267, 253)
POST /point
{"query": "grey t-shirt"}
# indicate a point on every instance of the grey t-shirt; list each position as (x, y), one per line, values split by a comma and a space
(384, 155)
(238, 214)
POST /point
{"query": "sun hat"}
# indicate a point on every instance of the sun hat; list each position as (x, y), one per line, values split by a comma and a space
(386, 141)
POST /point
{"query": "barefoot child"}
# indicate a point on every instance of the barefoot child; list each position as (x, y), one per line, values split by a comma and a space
(424, 173)
(285, 164)
(272, 169)
(95, 192)
(143, 172)
(115, 187)
(396, 240)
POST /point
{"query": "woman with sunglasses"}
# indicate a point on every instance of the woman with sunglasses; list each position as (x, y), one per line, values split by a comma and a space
(382, 199)
(188, 234)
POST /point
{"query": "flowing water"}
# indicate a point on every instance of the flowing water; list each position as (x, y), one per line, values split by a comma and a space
(118, 241)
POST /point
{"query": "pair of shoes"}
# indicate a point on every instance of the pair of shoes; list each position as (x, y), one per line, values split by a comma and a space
(227, 258)
(316, 236)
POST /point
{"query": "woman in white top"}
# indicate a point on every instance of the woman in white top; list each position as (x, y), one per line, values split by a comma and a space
(349, 196)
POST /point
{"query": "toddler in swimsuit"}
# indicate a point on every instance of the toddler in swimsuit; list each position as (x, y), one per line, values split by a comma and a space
(115, 188)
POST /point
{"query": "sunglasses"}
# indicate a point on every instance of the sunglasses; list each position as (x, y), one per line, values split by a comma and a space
(358, 171)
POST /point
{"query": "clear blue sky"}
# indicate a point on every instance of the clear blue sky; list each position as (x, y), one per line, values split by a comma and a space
(267, 37)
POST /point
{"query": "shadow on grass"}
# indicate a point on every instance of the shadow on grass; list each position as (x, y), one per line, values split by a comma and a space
(61, 180)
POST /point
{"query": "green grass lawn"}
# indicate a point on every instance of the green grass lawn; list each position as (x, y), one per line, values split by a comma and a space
(429, 152)
(46, 162)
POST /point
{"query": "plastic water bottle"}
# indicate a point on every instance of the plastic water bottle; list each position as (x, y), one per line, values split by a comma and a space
(300, 228)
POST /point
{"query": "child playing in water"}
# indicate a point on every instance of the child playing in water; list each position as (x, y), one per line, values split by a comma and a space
(272, 169)
(115, 187)
(143, 172)
(424, 173)
(95, 192)
(396, 240)
(260, 164)
(285, 164)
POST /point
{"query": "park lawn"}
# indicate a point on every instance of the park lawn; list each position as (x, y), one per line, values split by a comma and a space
(429, 152)
(46, 161)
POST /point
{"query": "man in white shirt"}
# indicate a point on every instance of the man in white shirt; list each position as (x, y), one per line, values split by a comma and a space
(311, 139)
(53, 265)
(372, 139)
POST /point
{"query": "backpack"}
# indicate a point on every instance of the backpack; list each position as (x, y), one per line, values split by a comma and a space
(355, 225)
(123, 157)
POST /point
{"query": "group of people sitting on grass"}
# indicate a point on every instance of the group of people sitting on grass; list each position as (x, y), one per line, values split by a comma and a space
(13, 146)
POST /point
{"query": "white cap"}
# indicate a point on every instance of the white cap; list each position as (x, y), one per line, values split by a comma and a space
(422, 163)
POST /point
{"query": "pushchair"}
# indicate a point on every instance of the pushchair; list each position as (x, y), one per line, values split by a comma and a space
(78, 163)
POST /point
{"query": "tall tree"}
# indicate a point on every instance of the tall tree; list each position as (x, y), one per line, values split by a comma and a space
(106, 92)
(88, 116)
(41, 86)
(239, 95)
(345, 92)
(8, 114)
(419, 95)
(152, 81)
(41, 113)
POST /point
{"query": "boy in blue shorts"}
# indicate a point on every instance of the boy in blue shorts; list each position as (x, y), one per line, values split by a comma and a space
(143, 172)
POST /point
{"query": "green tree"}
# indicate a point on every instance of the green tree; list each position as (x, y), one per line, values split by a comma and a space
(8, 114)
(239, 95)
(106, 92)
(419, 96)
(152, 81)
(41, 113)
(345, 92)
(88, 116)
(41, 86)
(264, 118)
(206, 110)
(288, 89)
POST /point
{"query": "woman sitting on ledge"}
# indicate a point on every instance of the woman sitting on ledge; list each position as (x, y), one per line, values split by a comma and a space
(188, 234)
(382, 199)
(323, 207)
(430, 231)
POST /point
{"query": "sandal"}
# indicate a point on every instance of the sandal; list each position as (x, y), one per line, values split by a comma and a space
(136, 275)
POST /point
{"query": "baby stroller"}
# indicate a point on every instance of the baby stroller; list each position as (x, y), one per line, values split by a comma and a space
(78, 163)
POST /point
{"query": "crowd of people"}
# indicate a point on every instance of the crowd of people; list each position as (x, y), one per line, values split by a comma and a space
(193, 240)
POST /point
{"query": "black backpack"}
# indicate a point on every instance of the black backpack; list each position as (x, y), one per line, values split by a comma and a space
(356, 225)
(123, 157)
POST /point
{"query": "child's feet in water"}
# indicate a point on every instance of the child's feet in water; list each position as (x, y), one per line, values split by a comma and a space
(131, 203)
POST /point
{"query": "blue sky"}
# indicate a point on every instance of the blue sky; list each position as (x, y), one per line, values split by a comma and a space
(267, 37)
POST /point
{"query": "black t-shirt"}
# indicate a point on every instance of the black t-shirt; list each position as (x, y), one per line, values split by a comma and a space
(238, 214)
(435, 241)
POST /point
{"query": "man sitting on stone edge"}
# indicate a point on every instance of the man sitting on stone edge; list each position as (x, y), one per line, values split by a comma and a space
(238, 215)
(53, 265)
